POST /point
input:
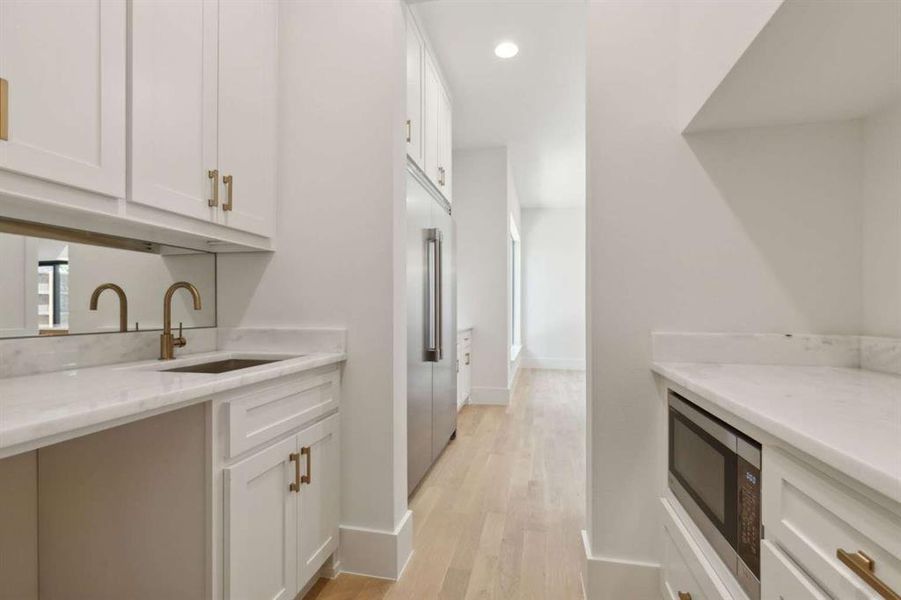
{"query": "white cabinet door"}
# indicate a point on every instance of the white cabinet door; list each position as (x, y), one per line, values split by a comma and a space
(445, 144)
(414, 93)
(432, 100)
(261, 525)
(319, 497)
(64, 61)
(173, 105)
(248, 108)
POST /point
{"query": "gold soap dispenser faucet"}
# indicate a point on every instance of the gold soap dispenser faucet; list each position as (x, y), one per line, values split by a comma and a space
(168, 342)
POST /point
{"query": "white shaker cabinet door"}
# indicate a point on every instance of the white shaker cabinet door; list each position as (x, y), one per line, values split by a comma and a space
(319, 497)
(261, 525)
(415, 53)
(432, 100)
(64, 63)
(174, 90)
(248, 108)
(445, 144)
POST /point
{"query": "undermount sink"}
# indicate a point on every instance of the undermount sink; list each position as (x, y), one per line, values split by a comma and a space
(224, 366)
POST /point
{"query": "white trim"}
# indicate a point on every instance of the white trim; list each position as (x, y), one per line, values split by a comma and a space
(514, 352)
(563, 364)
(605, 578)
(495, 396)
(375, 553)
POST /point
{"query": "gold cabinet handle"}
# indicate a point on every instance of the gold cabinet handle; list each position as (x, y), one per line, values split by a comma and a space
(229, 189)
(865, 567)
(441, 176)
(684, 596)
(295, 485)
(214, 178)
(4, 109)
(308, 478)
(409, 131)
(467, 358)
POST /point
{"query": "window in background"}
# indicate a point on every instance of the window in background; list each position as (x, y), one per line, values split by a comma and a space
(515, 291)
(53, 295)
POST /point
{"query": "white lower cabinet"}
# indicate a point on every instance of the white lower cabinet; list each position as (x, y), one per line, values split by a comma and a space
(812, 519)
(281, 500)
(686, 573)
(783, 579)
(261, 525)
(318, 499)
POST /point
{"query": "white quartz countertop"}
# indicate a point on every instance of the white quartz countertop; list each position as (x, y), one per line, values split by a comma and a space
(39, 410)
(849, 419)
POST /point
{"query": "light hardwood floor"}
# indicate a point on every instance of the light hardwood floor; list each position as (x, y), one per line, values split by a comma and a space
(500, 514)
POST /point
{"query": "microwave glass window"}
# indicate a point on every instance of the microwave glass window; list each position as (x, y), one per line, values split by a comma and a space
(702, 467)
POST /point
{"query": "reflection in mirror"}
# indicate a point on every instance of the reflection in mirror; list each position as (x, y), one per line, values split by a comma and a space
(56, 281)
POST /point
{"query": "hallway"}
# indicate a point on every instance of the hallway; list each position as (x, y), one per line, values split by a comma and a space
(500, 515)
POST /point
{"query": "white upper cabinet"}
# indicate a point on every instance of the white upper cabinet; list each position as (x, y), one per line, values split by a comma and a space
(204, 110)
(432, 99)
(415, 54)
(64, 62)
(429, 130)
(248, 105)
(445, 144)
(174, 66)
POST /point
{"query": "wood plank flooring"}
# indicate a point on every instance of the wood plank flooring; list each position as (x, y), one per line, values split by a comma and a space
(500, 514)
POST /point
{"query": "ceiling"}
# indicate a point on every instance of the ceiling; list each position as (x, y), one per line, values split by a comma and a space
(533, 103)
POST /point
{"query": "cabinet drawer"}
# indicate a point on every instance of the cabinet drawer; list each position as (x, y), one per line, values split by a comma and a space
(811, 516)
(264, 413)
(782, 579)
(685, 568)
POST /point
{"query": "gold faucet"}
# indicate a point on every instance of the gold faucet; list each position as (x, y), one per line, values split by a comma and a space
(123, 302)
(167, 341)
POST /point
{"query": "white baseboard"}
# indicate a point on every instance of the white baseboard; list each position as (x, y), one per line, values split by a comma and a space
(562, 364)
(613, 579)
(490, 395)
(374, 553)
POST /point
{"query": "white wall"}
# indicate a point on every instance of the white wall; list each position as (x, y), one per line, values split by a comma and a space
(712, 37)
(882, 223)
(747, 231)
(340, 257)
(19, 292)
(553, 288)
(514, 359)
(484, 201)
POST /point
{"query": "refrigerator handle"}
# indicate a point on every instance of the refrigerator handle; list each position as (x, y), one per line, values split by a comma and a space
(439, 297)
(431, 345)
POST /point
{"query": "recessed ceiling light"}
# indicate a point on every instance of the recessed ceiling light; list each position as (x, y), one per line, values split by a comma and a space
(506, 50)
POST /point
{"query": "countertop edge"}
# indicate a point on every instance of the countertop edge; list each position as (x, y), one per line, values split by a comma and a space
(32, 436)
(862, 472)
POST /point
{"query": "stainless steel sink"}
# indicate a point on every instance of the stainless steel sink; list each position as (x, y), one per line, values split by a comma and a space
(224, 366)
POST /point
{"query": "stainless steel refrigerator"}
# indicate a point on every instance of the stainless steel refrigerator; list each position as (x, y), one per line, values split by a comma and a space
(431, 328)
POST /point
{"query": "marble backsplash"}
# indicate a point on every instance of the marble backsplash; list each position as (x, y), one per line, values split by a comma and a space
(30, 356)
(870, 353)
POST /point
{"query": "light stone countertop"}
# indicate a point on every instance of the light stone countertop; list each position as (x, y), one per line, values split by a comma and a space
(39, 410)
(848, 418)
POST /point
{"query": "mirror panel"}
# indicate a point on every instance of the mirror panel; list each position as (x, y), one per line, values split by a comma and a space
(48, 279)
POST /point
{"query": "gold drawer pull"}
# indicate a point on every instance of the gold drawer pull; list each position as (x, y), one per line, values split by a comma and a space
(213, 175)
(409, 130)
(228, 180)
(865, 567)
(308, 478)
(684, 596)
(467, 358)
(4, 109)
(295, 485)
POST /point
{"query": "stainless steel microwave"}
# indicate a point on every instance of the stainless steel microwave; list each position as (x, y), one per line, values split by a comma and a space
(714, 472)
